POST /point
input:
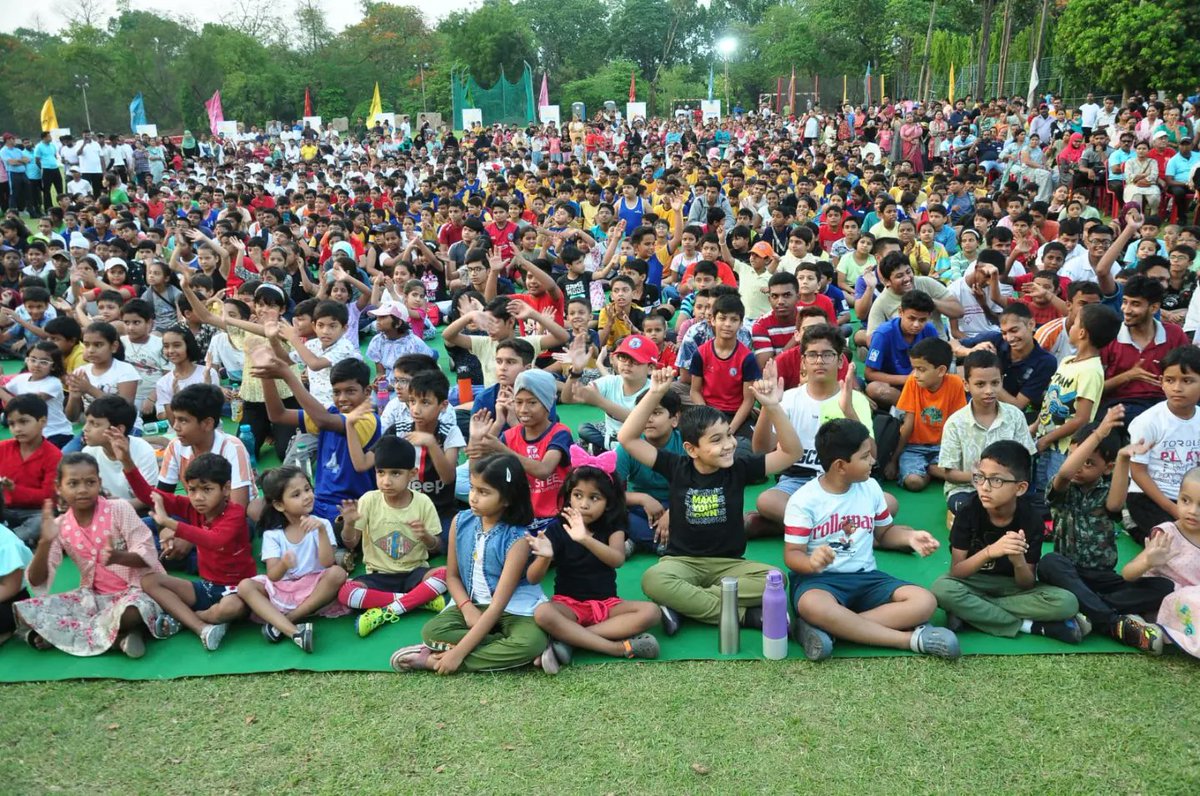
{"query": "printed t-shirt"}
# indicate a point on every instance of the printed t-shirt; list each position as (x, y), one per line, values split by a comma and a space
(844, 523)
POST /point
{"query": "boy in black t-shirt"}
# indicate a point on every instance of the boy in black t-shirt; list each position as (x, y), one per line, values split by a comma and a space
(995, 544)
(707, 537)
(577, 283)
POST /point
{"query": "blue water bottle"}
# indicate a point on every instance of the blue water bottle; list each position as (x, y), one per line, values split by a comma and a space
(247, 438)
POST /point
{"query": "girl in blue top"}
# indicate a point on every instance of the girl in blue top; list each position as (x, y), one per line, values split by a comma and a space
(490, 626)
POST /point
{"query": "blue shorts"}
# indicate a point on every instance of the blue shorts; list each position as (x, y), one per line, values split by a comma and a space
(790, 484)
(915, 460)
(858, 591)
(209, 594)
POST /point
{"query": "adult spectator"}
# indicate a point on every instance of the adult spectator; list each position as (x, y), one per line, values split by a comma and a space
(1132, 373)
(1178, 175)
(16, 161)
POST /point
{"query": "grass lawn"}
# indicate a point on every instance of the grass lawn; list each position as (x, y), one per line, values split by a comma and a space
(1033, 724)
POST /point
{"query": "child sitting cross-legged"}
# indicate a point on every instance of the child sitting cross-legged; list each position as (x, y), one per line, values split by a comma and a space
(832, 525)
(587, 545)
(995, 544)
(648, 493)
(1085, 497)
(215, 525)
(930, 395)
(302, 578)
(707, 537)
(490, 626)
(397, 528)
(112, 550)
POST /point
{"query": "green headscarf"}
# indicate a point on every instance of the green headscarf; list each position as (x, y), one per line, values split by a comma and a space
(189, 142)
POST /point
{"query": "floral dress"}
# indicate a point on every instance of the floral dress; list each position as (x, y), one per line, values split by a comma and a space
(86, 621)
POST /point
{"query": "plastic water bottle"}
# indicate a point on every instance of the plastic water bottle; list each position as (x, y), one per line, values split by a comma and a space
(466, 390)
(775, 618)
(235, 410)
(382, 394)
(247, 438)
(729, 630)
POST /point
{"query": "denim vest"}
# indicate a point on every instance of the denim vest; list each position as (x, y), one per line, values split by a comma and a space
(496, 544)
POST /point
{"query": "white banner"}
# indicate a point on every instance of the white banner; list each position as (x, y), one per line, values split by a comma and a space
(471, 117)
(228, 129)
(549, 114)
(148, 129)
(314, 122)
(59, 132)
(385, 118)
(711, 109)
(634, 111)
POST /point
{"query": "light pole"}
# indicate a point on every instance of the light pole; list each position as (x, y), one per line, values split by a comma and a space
(726, 47)
(81, 83)
(424, 101)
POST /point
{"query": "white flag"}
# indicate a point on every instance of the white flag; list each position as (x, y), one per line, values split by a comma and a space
(1033, 82)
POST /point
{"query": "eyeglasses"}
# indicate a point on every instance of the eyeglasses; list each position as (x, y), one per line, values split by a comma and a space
(402, 381)
(820, 356)
(34, 361)
(993, 481)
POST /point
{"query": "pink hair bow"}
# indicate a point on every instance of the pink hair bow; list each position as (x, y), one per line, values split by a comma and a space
(606, 461)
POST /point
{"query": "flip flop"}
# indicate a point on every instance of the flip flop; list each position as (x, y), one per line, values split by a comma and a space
(411, 659)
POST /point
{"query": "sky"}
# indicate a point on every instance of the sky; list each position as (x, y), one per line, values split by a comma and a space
(52, 16)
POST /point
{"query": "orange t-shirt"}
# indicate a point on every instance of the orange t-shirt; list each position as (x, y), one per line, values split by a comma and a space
(931, 409)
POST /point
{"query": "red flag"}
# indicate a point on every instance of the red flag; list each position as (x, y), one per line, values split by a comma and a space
(307, 103)
(633, 86)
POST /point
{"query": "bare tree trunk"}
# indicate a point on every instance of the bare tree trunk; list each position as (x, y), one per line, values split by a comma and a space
(985, 45)
(925, 74)
(1005, 42)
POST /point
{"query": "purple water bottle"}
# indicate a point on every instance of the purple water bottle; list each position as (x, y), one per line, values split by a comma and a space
(775, 618)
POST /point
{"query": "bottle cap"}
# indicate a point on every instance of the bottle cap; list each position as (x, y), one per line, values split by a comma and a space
(729, 584)
(774, 578)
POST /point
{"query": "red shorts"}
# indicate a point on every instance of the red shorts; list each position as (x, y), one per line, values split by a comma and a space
(588, 612)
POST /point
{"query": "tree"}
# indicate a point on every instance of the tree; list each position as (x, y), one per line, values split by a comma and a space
(569, 36)
(1129, 43)
(493, 38)
(314, 27)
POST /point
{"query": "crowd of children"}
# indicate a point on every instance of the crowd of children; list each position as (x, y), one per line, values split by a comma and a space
(1044, 387)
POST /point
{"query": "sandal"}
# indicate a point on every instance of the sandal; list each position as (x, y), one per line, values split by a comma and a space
(34, 640)
(132, 644)
(411, 659)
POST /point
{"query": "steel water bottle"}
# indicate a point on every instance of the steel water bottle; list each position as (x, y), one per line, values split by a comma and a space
(730, 630)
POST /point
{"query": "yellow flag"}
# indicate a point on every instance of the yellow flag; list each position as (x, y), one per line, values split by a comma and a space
(376, 105)
(49, 118)
(844, 95)
(951, 92)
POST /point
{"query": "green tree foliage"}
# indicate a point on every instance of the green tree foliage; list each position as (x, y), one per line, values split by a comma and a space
(571, 36)
(1130, 43)
(494, 37)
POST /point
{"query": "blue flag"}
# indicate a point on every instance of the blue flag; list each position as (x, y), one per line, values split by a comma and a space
(137, 113)
(710, 82)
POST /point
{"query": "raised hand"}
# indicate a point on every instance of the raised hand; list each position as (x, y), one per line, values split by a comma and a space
(661, 381)
(1139, 448)
(50, 527)
(540, 545)
(119, 444)
(159, 512)
(1113, 419)
(1158, 549)
(768, 390)
(573, 524)
(349, 511)
(481, 423)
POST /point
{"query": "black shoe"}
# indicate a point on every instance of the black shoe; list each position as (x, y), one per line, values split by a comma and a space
(304, 637)
(271, 634)
(752, 618)
(670, 620)
(1067, 631)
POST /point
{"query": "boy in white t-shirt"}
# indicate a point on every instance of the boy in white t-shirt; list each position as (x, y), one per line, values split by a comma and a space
(832, 525)
(144, 352)
(113, 411)
(1172, 428)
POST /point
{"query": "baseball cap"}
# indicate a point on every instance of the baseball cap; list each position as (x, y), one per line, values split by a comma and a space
(79, 241)
(762, 249)
(397, 311)
(115, 262)
(639, 348)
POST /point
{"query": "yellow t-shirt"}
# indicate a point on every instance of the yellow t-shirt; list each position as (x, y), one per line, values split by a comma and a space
(74, 359)
(484, 349)
(389, 543)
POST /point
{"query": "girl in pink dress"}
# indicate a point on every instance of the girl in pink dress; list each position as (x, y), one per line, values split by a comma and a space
(1173, 551)
(113, 550)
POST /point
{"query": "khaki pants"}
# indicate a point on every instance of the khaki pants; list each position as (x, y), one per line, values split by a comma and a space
(692, 585)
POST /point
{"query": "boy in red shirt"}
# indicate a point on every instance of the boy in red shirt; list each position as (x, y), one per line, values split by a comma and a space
(501, 231)
(216, 526)
(29, 463)
(724, 368)
(808, 287)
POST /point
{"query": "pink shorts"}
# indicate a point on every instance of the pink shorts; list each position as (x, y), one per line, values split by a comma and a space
(588, 612)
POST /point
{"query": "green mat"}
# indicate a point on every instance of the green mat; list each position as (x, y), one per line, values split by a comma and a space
(338, 647)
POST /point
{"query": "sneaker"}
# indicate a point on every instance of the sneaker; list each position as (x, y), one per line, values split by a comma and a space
(643, 645)
(670, 620)
(165, 625)
(629, 548)
(936, 641)
(304, 636)
(372, 619)
(437, 604)
(548, 661)
(562, 650)
(345, 559)
(752, 618)
(1067, 631)
(1139, 635)
(817, 644)
(212, 635)
(1085, 625)
(271, 634)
